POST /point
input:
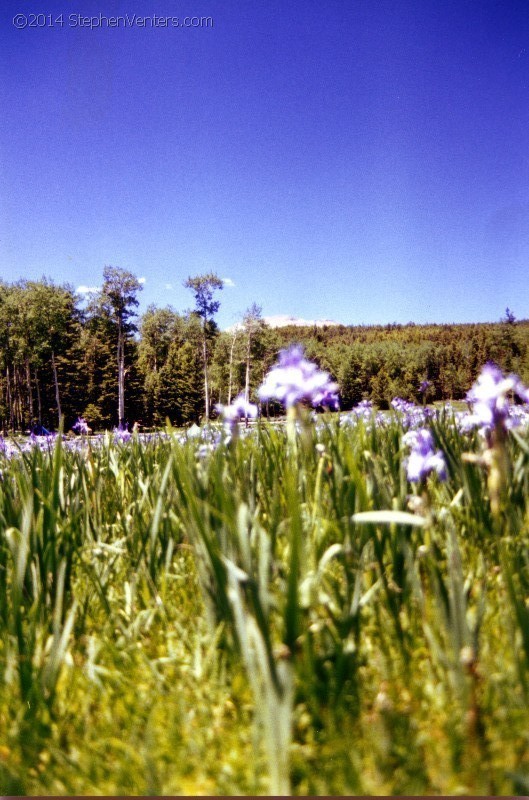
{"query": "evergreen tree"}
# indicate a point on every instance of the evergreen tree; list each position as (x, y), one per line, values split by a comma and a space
(181, 384)
(158, 329)
(98, 367)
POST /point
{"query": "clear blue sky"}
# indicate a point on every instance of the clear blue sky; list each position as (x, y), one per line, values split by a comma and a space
(362, 160)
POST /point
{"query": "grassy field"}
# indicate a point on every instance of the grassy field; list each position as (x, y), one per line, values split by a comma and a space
(270, 612)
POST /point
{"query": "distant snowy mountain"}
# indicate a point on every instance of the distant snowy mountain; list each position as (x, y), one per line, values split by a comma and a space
(282, 320)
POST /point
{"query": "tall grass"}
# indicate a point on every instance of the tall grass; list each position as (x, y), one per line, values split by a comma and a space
(281, 612)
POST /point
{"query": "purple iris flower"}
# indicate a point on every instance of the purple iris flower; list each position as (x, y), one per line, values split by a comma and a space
(489, 398)
(230, 415)
(296, 380)
(423, 459)
(81, 426)
(122, 434)
(404, 406)
(424, 386)
(239, 409)
(363, 409)
(412, 414)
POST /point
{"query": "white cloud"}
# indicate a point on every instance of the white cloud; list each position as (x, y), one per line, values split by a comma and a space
(168, 285)
(142, 280)
(228, 282)
(87, 289)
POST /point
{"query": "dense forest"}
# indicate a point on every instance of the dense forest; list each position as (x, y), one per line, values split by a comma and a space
(63, 356)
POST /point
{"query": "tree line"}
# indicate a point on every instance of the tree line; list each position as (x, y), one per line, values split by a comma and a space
(62, 357)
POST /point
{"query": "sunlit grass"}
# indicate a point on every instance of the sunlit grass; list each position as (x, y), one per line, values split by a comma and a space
(218, 623)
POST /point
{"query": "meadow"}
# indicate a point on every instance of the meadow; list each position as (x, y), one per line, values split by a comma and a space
(332, 604)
